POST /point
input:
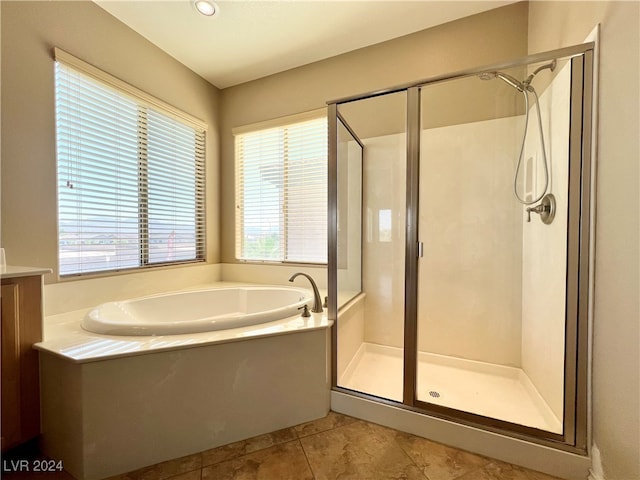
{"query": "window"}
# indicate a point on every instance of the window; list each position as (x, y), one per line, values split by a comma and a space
(130, 175)
(281, 192)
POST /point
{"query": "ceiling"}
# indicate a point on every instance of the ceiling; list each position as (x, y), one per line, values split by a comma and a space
(247, 40)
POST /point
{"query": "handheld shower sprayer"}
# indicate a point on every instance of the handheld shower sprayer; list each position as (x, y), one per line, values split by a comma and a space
(525, 88)
(508, 79)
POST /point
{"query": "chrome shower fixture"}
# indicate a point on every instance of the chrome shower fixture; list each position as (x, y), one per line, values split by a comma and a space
(546, 209)
(551, 66)
(520, 86)
(525, 88)
(508, 79)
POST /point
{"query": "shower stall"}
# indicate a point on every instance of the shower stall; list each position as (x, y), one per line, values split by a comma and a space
(459, 225)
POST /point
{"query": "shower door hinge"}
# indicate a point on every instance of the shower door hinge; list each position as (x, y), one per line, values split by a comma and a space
(420, 249)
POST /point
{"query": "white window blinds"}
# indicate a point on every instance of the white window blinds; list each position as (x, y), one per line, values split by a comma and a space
(281, 193)
(130, 176)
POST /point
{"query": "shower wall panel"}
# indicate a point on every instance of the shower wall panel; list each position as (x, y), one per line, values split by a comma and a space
(544, 253)
(470, 279)
(384, 213)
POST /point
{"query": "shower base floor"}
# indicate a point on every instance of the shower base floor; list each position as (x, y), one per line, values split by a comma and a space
(495, 391)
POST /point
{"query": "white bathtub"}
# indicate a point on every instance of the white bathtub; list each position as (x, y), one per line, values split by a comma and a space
(193, 391)
(196, 311)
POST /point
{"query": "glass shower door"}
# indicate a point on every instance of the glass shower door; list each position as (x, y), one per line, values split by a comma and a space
(491, 282)
(371, 205)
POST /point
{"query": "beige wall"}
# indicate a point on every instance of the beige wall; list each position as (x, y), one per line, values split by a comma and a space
(481, 39)
(30, 30)
(616, 336)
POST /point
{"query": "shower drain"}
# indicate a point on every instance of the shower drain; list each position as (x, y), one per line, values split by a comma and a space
(434, 394)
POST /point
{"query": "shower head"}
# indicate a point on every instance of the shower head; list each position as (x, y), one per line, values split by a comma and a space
(520, 86)
(508, 79)
(551, 66)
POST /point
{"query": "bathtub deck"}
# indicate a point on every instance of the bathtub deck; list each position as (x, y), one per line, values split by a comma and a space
(500, 392)
(64, 337)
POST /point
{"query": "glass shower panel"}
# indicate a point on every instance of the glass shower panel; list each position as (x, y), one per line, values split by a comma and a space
(371, 229)
(491, 283)
(348, 245)
(349, 206)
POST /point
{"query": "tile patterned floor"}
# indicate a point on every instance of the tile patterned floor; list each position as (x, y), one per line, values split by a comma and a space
(333, 447)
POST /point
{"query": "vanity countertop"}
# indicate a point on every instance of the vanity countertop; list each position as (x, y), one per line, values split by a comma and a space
(14, 271)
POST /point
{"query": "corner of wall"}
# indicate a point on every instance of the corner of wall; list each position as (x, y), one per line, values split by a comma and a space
(596, 472)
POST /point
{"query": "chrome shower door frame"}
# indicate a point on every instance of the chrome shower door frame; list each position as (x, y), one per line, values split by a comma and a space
(579, 264)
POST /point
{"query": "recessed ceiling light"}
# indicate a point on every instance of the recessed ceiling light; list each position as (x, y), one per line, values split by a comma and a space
(206, 7)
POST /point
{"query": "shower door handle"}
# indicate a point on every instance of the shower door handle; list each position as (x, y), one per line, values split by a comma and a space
(420, 249)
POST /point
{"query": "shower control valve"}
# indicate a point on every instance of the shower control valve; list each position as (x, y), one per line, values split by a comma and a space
(546, 209)
(537, 209)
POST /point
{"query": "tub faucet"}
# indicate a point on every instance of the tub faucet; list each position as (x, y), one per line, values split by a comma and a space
(317, 301)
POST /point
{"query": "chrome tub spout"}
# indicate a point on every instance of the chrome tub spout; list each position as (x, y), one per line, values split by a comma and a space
(317, 301)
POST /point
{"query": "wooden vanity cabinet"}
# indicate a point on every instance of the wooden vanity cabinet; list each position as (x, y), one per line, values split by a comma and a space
(21, 328)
